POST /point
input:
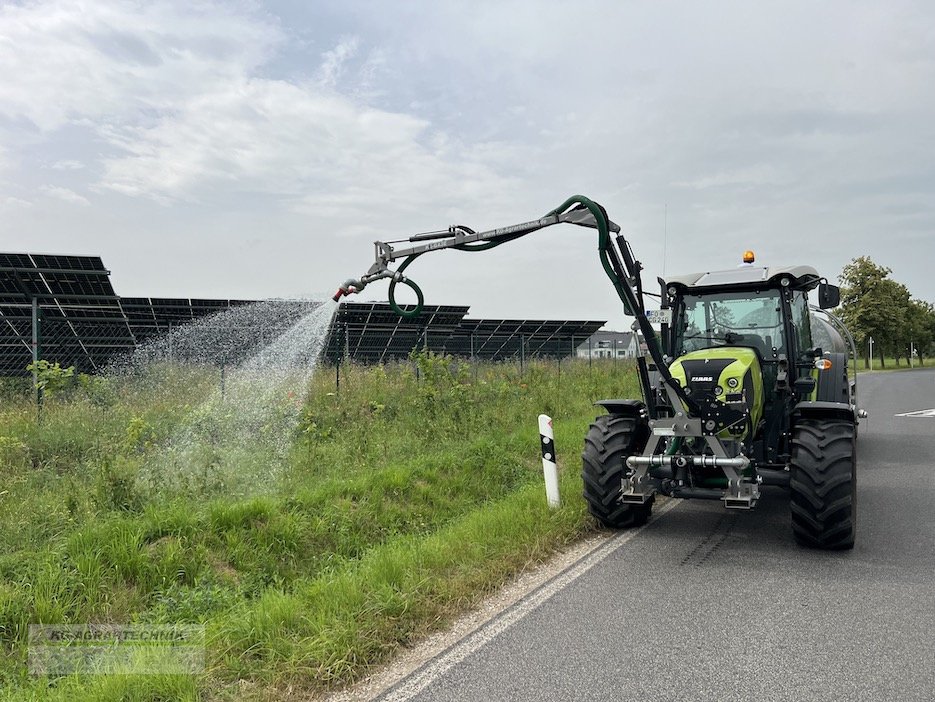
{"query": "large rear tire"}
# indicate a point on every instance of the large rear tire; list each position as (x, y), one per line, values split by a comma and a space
(610, 440)
(823, 482)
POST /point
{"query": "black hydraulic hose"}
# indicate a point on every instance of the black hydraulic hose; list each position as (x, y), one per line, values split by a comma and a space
(628, 297)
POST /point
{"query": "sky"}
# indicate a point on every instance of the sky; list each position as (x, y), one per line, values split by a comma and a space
(256, 149)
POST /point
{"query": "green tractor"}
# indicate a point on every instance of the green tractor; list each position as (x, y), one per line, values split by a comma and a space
(750, 387)
(744, 385)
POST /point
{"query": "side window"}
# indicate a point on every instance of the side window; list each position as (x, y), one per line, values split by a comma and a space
(802, 320)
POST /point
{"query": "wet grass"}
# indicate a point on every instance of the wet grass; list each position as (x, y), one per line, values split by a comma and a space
(405, 498)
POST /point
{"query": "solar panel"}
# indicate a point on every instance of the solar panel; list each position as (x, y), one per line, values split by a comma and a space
(79, 315)
(372, 333)
(150, 317)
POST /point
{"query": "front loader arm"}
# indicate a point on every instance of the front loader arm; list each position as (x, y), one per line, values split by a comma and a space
(615, 255)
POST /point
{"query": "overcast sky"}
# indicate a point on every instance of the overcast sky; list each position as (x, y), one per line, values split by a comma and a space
(255, 150)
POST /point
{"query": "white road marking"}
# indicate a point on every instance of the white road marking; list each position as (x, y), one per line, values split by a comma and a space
(920, 413)
(413, 685)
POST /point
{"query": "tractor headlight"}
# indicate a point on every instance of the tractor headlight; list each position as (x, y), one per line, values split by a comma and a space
(732, 383)
(718, 390)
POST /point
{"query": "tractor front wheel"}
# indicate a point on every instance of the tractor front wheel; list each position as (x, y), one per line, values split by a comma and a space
(823, 483)
(610, 440)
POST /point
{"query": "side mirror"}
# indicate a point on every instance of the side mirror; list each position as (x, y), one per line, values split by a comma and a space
(828, 296)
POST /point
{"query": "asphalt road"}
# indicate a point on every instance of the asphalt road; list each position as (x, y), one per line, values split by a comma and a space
(704, 604)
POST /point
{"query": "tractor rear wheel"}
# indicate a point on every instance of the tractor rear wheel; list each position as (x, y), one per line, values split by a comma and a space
(610, 440)
(823, 482)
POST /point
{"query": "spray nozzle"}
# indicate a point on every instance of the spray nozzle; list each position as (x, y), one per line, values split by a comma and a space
(349, 287)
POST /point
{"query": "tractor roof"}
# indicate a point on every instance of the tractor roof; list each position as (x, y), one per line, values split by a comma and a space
(804, 276)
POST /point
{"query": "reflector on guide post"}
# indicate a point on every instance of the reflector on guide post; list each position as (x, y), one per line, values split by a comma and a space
(549, 467)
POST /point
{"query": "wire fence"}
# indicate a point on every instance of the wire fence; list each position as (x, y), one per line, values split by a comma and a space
(29, 332)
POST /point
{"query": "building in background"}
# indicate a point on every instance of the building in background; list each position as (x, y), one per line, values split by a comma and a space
(611, 344)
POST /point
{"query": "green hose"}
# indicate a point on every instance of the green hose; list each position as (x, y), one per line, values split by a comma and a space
(603, 247)
(420, 300)
(603, 241)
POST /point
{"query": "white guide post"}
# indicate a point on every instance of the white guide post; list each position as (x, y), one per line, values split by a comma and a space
(549, 467)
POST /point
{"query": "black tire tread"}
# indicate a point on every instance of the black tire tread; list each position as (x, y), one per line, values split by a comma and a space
(609, 441)
(823, 484)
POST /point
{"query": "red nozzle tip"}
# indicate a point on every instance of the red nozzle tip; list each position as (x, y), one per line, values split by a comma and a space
(338, 294)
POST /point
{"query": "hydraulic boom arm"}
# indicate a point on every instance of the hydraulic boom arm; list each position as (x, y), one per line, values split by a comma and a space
(615, 255)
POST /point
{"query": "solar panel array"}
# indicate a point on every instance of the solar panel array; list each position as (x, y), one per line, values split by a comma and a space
(372, 333)
(83, 323)
(507, 338)
(81, 320)
(152, 316)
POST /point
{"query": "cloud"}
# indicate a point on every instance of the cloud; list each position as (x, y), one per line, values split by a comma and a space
(334, 61)
(65, 195)
(67, 165)
(116, 62)
(186, 112)
(10, 202)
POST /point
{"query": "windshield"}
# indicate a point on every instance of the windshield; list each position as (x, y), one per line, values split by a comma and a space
(731, 319)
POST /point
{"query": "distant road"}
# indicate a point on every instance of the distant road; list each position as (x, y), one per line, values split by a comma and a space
(705, 604)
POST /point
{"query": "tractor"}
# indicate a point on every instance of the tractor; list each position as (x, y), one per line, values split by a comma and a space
(745, 384)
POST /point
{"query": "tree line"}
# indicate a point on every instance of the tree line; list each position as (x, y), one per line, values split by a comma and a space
(873, 305)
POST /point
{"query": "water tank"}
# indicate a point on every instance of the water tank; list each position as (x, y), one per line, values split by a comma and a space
(826, 336)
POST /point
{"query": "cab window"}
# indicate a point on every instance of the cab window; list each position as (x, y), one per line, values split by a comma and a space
(801, 319)
(751, 318)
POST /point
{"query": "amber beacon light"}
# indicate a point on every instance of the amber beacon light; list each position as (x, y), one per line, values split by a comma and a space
(748, 257)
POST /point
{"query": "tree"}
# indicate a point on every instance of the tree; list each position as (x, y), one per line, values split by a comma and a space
(896, 303)
(919, 329)
(873, 306)
(51, 378)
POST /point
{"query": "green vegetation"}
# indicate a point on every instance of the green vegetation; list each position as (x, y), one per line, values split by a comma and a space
(874, 305)
(890, 364)
(405, 497)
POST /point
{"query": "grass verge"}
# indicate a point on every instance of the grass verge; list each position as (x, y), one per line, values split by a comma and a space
(407, 496)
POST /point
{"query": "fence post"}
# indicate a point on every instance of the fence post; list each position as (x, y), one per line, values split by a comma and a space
(36, 335)
(522, 354)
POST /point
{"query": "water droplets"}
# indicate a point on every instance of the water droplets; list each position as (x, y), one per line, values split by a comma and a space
(237, 440)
